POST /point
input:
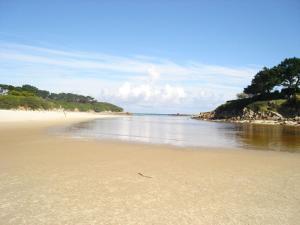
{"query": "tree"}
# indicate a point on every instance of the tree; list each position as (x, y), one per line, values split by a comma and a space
(263, 82)
(242, 95)
(27, 87)
(36, 91)
(289, 73)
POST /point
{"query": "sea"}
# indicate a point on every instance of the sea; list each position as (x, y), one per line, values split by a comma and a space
(183, 131)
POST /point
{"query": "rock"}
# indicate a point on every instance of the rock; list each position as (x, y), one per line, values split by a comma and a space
(249, 116)
(290, 123)
(205, 116)
(276, 115)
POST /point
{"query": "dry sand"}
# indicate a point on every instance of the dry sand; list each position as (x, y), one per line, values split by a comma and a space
(48, 180)
(21, 116)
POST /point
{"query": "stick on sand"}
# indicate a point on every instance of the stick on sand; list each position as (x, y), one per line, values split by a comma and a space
(144, 175)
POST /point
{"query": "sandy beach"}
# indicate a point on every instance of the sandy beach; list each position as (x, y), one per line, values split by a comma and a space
(46, 179)
(20, 116)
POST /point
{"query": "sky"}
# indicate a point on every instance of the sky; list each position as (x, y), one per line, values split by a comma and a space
(159, 56)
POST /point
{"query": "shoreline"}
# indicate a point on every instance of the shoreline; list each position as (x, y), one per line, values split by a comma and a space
(24, 116)
(253, 121)
(250, 117)
(47, 179)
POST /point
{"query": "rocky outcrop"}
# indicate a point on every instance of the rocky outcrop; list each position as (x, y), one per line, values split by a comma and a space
(249, 116)
(205, 116)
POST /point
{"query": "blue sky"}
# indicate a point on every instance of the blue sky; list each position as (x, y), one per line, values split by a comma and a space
(147, 56)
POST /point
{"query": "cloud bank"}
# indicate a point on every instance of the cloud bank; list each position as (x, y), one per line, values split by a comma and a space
(137, 83)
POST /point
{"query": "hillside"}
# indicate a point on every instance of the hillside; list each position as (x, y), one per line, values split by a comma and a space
(259, 109)
(273, 94)
(30, 97)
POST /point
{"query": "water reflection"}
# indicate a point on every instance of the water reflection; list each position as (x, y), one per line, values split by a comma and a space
(183, 131)
(278, 138)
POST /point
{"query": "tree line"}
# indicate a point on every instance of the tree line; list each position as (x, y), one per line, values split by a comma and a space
(30, 97)
(29, 90)
(283, 79)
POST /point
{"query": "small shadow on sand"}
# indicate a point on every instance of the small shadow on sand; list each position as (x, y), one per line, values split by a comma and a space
(142, 175)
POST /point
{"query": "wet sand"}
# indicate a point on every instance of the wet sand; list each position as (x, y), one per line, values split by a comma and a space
(51, 180)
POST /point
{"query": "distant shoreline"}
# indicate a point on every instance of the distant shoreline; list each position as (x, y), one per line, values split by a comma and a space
(7, 116)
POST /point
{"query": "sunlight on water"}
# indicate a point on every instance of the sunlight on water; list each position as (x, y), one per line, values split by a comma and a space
(183, 131)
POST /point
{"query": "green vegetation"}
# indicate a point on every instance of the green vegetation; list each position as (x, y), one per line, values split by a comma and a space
(29, 97)
(272, 89)
(285, 76)
(264, 106)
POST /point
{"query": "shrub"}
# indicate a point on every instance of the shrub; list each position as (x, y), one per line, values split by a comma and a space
(28, 102)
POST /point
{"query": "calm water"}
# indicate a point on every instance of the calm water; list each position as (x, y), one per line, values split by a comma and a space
(183, 131)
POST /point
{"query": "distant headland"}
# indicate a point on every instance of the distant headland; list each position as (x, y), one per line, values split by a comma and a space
(273, 97)
(28, 97)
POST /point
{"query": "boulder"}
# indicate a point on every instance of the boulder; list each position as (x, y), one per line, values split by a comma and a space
(205, 116)
(275, 115)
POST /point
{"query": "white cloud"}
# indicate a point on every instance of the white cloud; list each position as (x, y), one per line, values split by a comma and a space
(155, 67)
(153, 73)
(130, 81)
(150, 94)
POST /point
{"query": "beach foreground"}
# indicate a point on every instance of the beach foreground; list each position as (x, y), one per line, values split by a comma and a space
(50, 180)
